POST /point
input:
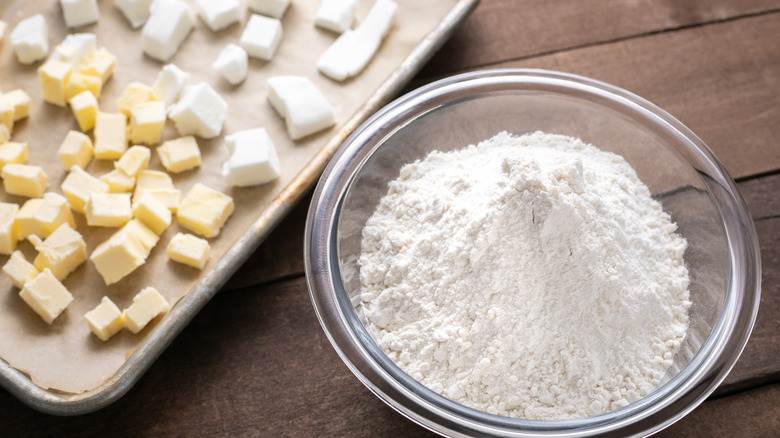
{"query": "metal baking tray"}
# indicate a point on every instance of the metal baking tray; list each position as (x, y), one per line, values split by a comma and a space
(62, 403)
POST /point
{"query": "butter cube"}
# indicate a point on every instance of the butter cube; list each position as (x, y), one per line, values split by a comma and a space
(75, 150)
(147, 304)
(169, 84)
(204, 210)
(108, 209)
(46, 296)
(118, 181)
(85, 108)
(79, 185)
(168, 26)
(54, 75)
(271, 8)
(146, 122)
(3, 25)
(24, 180)
(134, 160)
(189, 250)
(5, 134)
(170, 198)
(62, 252)
(134, 94)
(13, 153)
(79, 82)
(41, 216)
(136, 11)
(30, 39)
(261, 37)
(150, 180)
(79, 12)
(153, 213)
(6, 114)
(199, 111)
(19, 270)
(20, 101)
(180, 154)
(110, 136)
(8, 232)
(253, 159)
(105, 320)
(124, 251)
(101, 63)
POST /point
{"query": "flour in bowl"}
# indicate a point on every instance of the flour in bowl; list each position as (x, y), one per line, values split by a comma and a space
(528, 276)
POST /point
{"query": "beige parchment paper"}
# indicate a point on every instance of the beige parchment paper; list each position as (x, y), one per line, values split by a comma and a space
(65, 356)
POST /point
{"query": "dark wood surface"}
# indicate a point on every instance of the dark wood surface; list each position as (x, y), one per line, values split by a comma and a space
(255, 361)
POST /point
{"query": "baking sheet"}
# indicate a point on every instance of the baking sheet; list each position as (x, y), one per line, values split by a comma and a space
(65, 358)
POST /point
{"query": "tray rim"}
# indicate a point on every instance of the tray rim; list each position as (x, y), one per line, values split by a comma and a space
(56, 402)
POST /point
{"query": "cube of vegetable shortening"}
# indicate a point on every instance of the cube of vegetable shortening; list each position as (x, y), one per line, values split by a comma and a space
(79, 12)
(219, 15)
(105, 320)
(46, 296)
(271, 8)
(253, 159)
(76, 149)
(261, 37)
(169, 83)
(8, 233)
(167, 28)
(147, 304)
(30, 39)
(199, 111)
(136, 11)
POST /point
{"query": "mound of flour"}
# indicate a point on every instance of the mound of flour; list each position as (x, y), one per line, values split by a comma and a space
(530, 277)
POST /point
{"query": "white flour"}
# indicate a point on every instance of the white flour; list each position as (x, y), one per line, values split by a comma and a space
(530, 277)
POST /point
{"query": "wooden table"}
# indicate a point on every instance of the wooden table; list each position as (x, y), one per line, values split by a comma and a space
(256, 362)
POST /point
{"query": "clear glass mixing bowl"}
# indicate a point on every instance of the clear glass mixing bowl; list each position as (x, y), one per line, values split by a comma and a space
(681, 172)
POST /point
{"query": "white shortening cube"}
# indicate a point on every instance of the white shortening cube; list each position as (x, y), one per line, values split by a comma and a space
(335, 15)
(219, 14)
(199, 111)
(170, 83)
(302, 105)
(30, 39)
(105, 320)
(253, 159)
(271, 8)
(261, 37)
(168, 26)
(46, 296)
(136, 11)
(80, 12)
(232, 63)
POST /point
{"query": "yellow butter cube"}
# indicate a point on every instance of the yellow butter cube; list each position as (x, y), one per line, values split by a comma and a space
(19, 270)
(13, 153)
(108, 209)
(99, 63)
(79, 185)
(85, 108)
(79, 83)
(189, 250)
(180, 154)
(75, 150)
(150, 180)
(24, 180)
(118, 181)
(8, 231)
(62, 252)
(5, 134)
(3, 25)
(146, 122)
(152, 213)
(110, 136)
(54, 75)
(41, 216)
(20, 101)
(204, 210)
(6, 114)
(124, 251)
(170, 198)
(134, 94)
(105, 320)
(46, 296)
(134, 160)
(147, 305)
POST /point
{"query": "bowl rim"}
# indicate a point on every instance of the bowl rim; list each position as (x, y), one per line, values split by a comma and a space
(667, 404)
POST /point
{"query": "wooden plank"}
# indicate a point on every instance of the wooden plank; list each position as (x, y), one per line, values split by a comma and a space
(729, 97)
(501, 30)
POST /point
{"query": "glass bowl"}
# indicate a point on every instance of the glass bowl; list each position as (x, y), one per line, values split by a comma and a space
(681, 172)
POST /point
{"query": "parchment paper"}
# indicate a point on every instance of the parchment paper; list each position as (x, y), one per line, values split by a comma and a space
(66, 356)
